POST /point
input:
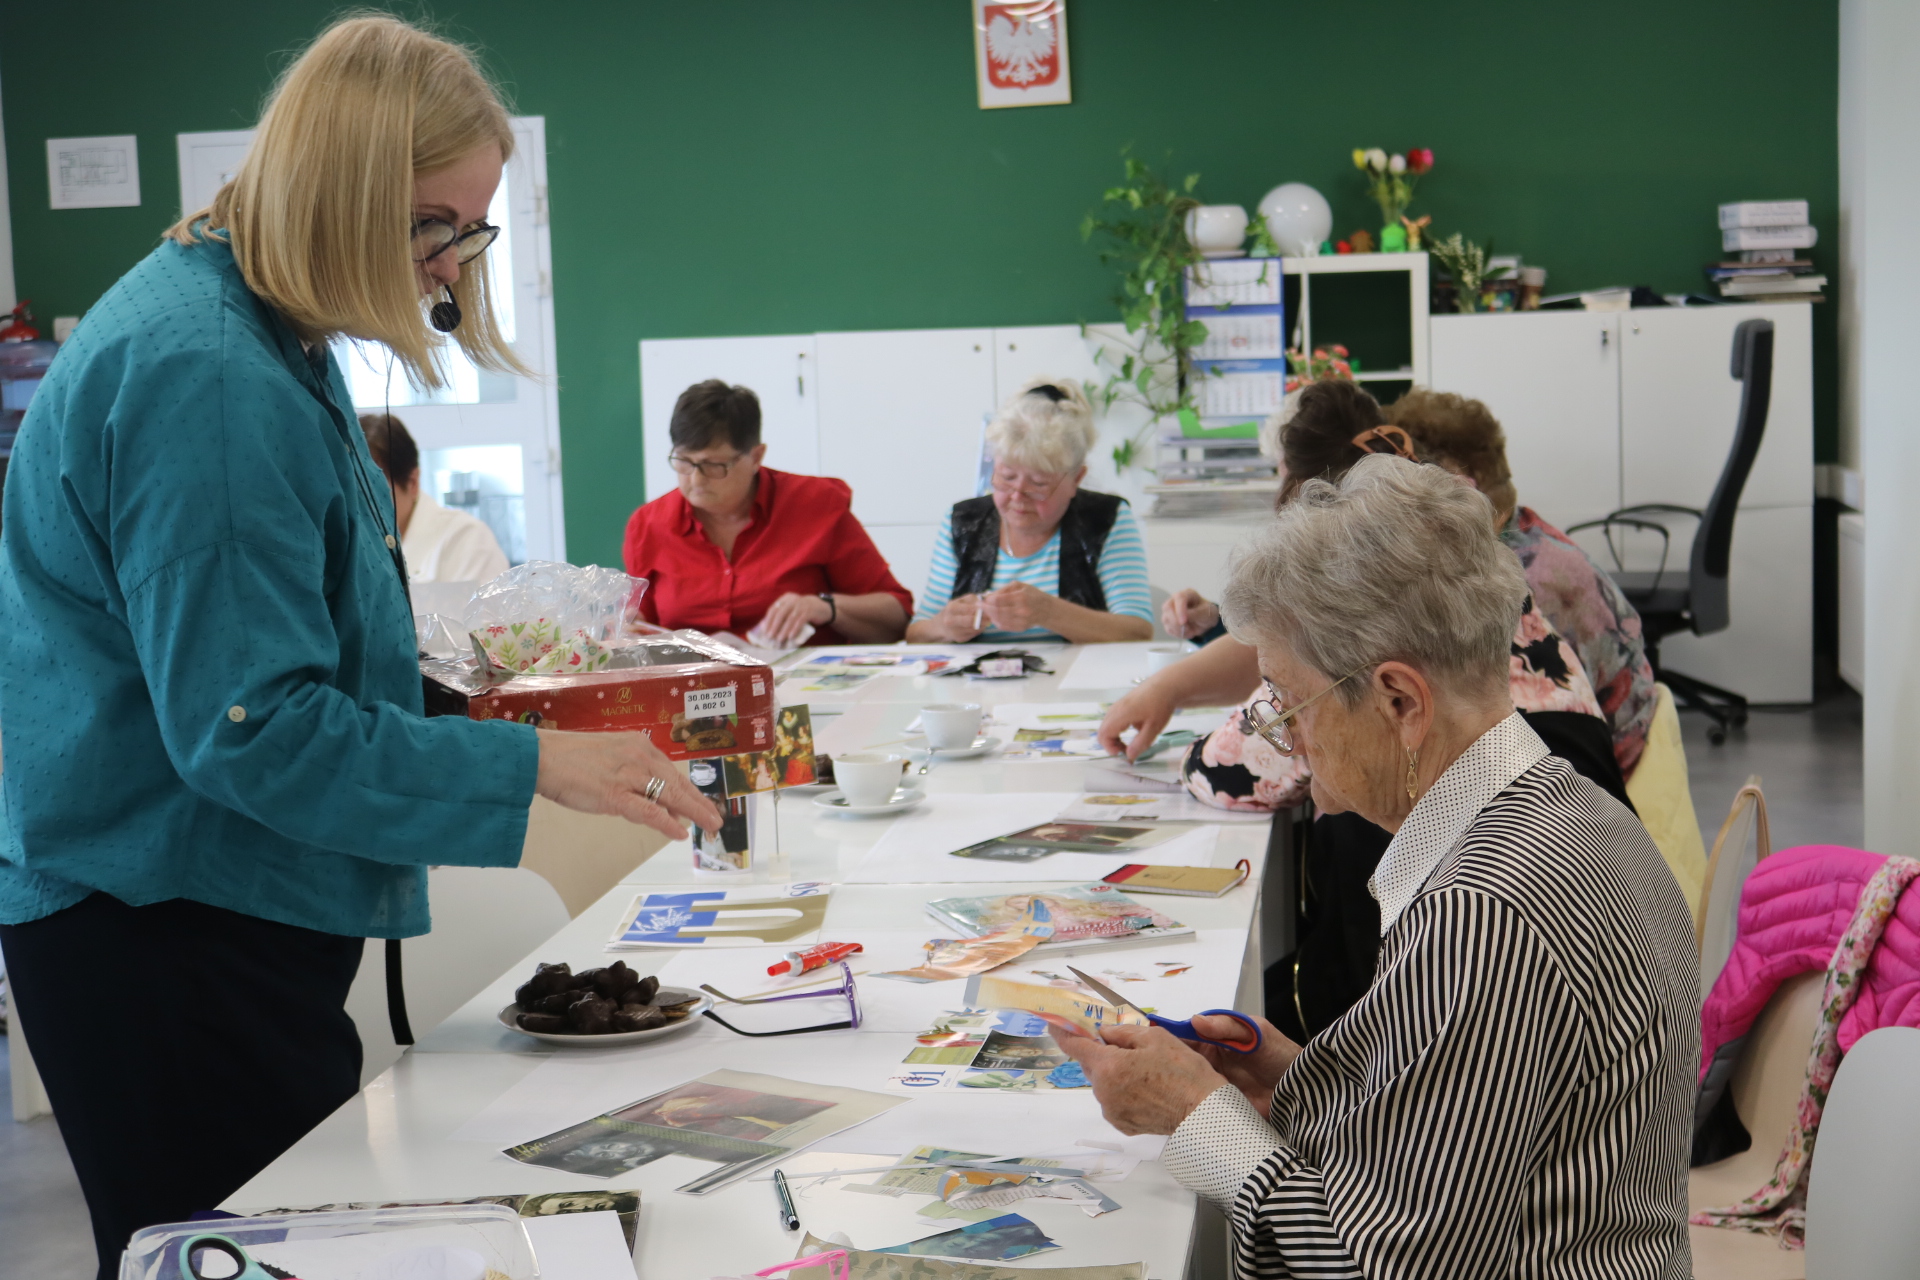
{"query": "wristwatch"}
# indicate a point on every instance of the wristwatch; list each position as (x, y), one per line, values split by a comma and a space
(832, 607)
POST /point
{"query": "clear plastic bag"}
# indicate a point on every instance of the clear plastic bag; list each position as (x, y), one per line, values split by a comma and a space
(428, 1242)
(545, 618)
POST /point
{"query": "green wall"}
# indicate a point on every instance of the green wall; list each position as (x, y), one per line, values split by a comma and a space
(769, 166)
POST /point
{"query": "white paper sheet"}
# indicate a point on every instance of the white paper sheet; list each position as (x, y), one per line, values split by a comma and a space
(917, 848)
(580, 1246)
(1108, 666)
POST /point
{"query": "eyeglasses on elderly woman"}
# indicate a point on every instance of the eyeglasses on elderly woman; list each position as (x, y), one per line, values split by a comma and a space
(1273, 720)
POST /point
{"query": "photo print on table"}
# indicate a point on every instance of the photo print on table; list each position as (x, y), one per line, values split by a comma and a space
(1046, 838)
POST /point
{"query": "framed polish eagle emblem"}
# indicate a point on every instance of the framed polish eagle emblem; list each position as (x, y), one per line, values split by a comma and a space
(1020, 52)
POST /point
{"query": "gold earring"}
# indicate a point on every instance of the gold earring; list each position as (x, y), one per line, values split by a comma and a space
(1413, 775)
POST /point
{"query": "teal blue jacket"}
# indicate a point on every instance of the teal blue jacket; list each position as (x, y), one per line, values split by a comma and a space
(208, 679)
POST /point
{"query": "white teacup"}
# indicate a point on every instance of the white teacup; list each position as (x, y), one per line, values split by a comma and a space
(951, 726)
(868, 778)
(1162, 656)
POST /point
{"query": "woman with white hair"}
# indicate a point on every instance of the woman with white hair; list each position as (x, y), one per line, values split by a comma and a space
(1038, 558)
(220, 780)
(1514, 1091)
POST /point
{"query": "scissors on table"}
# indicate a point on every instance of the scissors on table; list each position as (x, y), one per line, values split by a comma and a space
(1183, 1028)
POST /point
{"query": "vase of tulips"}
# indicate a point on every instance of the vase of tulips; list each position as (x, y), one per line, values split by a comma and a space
(1390, 181)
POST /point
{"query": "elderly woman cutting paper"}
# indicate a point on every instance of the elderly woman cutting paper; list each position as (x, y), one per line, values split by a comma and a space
(1513, 1093)
(1038, 558)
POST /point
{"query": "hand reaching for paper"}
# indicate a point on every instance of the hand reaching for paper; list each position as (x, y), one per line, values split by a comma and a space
(790, 615)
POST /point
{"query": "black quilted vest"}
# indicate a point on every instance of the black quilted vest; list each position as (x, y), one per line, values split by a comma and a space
(1083, 534)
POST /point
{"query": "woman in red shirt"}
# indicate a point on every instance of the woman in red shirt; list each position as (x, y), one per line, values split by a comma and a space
(739, 546)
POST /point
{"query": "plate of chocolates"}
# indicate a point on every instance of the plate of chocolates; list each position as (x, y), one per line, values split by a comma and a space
(600, 1007)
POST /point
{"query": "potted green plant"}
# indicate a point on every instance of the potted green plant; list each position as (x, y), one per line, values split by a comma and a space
(1142, 231)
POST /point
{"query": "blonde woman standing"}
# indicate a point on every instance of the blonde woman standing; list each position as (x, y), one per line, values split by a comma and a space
(219, 779)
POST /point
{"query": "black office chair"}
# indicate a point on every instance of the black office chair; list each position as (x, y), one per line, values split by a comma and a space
(1698, 603)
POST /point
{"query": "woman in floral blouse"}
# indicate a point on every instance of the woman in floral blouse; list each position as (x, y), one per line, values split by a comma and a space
(1575, 593)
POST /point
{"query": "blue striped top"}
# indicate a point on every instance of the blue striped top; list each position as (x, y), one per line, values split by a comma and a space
(1122, 569)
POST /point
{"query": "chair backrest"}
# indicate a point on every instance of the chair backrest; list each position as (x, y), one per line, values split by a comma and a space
(1861, 1190)
(1713, 540)
(1745, 838)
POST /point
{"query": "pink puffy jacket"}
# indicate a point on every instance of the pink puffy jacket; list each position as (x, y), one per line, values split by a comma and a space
(1793, 909)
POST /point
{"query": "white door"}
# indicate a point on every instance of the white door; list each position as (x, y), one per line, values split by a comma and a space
(1552, 378)
(779, 370)
(1679, 403)
(490, 443)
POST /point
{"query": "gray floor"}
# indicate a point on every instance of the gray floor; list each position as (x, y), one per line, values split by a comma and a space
(43, 1221)
(1808, 761)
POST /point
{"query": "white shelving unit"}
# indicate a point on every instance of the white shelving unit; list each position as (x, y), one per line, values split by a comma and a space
(1415, 265)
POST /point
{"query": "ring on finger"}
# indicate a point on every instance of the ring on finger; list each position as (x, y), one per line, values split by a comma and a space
(654, 788)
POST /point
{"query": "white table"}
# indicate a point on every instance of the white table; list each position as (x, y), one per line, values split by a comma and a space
(392, 1141)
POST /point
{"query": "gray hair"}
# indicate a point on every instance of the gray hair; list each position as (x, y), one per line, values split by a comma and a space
(1046, 426)
(1397, 561)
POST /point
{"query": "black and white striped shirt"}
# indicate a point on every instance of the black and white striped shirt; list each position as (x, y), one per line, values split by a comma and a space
(1513, 1095)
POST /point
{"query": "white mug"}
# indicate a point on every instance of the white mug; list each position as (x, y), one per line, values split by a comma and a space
(951, 726)
(1162, 656)
(868, 778)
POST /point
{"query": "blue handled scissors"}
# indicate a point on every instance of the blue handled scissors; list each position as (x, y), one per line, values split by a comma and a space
(1183, 1028)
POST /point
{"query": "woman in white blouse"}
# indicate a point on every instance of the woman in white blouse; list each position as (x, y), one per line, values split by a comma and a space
(1513, 1094)
(440, 545)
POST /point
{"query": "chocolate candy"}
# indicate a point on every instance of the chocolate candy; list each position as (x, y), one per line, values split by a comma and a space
(547, 979)
(545, 1023)
(639, 1017)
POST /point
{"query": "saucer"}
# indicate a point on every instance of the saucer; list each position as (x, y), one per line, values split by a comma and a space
(980, 747)
(835, 801)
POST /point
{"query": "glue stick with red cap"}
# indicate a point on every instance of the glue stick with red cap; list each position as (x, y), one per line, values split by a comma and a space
(814, 957)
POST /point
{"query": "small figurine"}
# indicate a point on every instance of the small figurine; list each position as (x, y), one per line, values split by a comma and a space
(1343, 247)
(1414, 227)
(1362, 241)
(1393, 239)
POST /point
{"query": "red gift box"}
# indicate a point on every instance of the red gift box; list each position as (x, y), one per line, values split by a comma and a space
(705, 705)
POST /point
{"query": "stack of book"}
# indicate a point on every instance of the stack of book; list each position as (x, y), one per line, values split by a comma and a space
(1761, 240)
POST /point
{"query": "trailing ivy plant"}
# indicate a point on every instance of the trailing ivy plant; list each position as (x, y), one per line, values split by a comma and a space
(1142, 231)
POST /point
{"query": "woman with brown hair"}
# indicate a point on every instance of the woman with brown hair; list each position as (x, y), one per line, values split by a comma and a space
(219, 779)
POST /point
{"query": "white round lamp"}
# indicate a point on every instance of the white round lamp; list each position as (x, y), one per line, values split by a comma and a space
(1298, 218)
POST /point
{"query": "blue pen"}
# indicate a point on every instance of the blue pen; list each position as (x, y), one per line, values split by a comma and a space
(1182, 1028)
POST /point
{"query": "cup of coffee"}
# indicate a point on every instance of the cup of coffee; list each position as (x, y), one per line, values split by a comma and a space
(951, 726)
(868, 778)
(1162, 656)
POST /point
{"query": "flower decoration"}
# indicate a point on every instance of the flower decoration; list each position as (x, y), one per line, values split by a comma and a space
(1329, 362)
(1391, 178)
(1467, 263)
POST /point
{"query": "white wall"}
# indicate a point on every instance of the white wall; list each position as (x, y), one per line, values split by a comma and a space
(1879, 106)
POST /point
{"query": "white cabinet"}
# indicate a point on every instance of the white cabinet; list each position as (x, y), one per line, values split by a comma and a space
(1553, 379)
(1607, 410)
(901, 417)
(780, 370)
(1679, 405)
